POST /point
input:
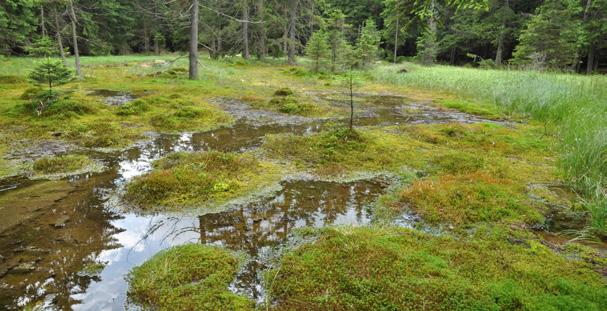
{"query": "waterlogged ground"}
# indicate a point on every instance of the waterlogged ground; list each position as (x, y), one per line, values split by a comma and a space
(69, 241)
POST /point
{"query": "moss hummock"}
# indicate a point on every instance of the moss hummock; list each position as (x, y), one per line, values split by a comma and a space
(188, 277)
(199, 179)
(399, 269)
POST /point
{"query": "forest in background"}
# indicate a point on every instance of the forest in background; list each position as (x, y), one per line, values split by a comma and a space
(569, 35)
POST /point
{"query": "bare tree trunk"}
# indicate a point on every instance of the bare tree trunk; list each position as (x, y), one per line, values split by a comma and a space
(293, 4)
(59, 37)
(245, 30)
(156, 45)
(146, 36)
(261, 40)
(75, 38)
(194, 41)
(351, 100)
(396, 38)
(500, 50)
(590, 62)
(42, 21)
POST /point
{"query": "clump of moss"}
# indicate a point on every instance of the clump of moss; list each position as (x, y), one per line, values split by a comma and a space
(174, 112)
(188, 277)
(61, 164)
(467, 199)
(493, 112)
(284, 92)
(193, 179)
(285, 101)
(338, 150)
(399, 269)
(100, 135)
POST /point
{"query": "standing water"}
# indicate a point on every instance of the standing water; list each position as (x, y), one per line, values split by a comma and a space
(70, 244)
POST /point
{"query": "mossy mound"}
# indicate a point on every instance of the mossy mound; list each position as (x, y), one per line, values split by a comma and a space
(195, 179)
(61, 164)
(399, 269)
(339, 150)
(174, 112)
(469, 198)
(188, 277)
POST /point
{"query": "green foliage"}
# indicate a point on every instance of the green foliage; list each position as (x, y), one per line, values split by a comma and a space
(42, 47)
(51, 72)
(552, 37)
(427, 47)
(318, 50)
(398, 269)
(187, 277)
(367, 45)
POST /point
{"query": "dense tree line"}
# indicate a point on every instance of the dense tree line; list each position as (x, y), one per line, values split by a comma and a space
(563, 34)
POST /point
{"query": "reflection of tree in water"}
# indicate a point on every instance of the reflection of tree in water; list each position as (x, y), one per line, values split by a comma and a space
(265, 224)
(58, 252)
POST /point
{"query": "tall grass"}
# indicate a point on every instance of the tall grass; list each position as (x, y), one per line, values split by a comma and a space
(576, 105)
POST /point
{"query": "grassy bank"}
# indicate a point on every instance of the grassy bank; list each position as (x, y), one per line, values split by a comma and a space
(570, 106)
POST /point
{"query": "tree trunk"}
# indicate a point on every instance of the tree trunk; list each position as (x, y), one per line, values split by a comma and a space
(245, 30)
(590, 63)
(59, 37)
(500, 50)
(156, 46)
(194, 41)
(42, 21)
(396, 38)
(146, 36)
(262, 35)
(293, 4)
(351, 100)
(75, 39)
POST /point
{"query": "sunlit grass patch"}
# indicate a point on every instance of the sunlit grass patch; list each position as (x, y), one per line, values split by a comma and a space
(399, 269)
(200, 180)
(188, 277)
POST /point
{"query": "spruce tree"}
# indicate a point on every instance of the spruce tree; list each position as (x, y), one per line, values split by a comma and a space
(50, 72)
(553, 37)
(368, 43)
(318, 50)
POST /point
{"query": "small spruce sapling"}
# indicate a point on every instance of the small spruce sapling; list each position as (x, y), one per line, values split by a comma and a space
(49, 72)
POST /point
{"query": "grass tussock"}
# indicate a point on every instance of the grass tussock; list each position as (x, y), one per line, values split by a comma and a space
(195, 179)
(399, 269)
(188, 277)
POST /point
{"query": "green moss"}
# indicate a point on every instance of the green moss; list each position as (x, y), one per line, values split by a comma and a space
(398, 269)
(469, 198)
(188, 277)
(488, 111)
(196, 179)
(61, 164)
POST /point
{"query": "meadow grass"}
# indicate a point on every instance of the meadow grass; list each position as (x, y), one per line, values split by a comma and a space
(574, 106)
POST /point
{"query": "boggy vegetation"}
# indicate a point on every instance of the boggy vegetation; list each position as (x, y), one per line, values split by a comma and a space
(400, 269)
(188, 277)
(198, 179)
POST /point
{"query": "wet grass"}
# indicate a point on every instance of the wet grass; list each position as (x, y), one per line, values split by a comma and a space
(571, 107)
(399, 269)
(200, 179)
(188, 277)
